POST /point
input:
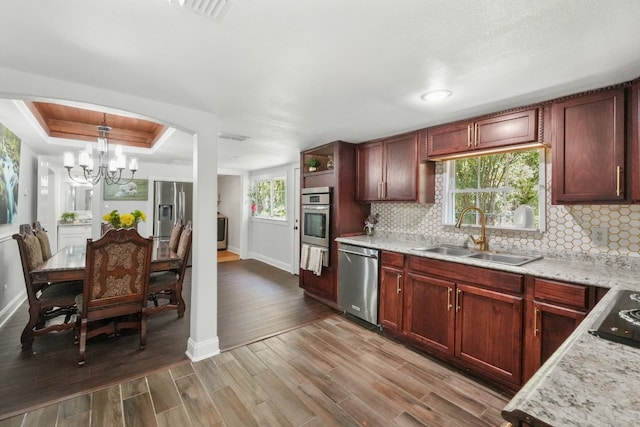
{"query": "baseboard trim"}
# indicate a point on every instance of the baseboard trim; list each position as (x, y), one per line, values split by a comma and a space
(197, 351)
(12, 307)
(272, 262)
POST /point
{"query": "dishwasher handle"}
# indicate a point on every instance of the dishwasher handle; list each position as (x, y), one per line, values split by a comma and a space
(374, 256)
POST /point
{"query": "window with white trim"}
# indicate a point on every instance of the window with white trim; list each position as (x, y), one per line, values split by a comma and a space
(269, 198)
(508, 187)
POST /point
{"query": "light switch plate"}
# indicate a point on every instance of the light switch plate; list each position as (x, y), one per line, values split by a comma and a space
(600, 236)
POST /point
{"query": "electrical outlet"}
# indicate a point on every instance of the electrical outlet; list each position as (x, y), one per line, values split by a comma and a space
(600, 236)
(5, 287)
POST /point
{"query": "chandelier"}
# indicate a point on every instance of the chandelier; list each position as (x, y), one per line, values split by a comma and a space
(102, 165)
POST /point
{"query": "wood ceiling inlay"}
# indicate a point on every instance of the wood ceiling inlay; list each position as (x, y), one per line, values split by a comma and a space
(61, 121)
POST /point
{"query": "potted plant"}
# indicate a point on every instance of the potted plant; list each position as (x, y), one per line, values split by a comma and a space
(312, 163)
(68, 217)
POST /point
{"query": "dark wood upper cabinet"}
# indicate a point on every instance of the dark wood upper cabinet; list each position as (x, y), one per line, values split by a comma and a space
(588, 139)
(634, 140)
(390, 170)
(495, 131)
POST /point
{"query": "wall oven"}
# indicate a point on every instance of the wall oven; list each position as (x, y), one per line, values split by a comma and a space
(316, 216)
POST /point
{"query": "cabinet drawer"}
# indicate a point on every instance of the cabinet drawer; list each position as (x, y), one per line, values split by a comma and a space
(393, 258)
(576, 296)
(492, 279)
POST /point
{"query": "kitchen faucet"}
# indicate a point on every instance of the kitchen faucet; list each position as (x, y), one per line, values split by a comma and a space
(482, 241)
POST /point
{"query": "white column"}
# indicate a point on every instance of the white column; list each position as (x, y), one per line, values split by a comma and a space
(203, 341)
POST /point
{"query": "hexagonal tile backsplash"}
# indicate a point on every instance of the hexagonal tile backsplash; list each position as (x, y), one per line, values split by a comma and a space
(568, 228)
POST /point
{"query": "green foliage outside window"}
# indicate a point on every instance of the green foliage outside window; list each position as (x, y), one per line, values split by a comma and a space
(498, 184)
(268, 198)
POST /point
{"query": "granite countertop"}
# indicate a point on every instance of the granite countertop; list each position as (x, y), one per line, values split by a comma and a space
(588, 381)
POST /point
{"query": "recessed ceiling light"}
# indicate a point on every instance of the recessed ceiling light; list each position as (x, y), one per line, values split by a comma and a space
(436, 95)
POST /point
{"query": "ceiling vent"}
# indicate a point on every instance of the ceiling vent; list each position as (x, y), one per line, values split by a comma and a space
(215, 9)
(232, 136)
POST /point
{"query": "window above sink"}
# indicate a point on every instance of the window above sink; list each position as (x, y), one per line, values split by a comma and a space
(508, 187)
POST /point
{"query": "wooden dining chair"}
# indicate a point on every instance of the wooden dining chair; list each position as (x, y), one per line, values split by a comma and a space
(104, 227)
(175, 236)
(167, 285)
(116, 286)
(46, 301)
(42, 236)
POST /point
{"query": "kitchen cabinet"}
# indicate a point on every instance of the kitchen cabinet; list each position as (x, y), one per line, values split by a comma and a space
(588, 142)
(347, 216)
(634, 138)
(468, 315)
(556, 309)
(391, 291)
(73, 234)
(474, 136)
(389, 170)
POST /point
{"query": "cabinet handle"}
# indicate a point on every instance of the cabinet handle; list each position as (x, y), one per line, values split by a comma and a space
(379, 192)
(469, 136)
(384, 190)
(618, 170)
(535, 321)
(449, 306)
(458, 300)
(475, 136)
(398, 283)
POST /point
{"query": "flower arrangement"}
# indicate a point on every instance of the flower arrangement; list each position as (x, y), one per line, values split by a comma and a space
(370, 222)
(125, 220)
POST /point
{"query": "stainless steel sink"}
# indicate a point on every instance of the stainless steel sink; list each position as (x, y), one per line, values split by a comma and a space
(446, 250)
(503, 259)
(458, 251)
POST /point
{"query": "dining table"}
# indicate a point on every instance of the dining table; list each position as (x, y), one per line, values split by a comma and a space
(68, 263)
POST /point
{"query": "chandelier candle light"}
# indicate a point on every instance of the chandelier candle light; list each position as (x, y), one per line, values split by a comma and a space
(108, 168)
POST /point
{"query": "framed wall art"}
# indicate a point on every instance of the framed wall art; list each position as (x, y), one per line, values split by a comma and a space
(137, 189)
(9, 175)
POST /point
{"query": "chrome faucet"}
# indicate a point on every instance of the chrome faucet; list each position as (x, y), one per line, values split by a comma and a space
(482, 241)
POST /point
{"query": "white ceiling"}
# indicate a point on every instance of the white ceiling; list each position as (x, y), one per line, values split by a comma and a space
(294, 74)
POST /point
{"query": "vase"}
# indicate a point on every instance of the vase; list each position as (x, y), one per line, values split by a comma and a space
(312, 168)
(369, 231)
(330, 162)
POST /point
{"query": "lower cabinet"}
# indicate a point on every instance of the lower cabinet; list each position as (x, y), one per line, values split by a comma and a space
(70, 235)
(391, 291)
(469, 316)
(499, 325)
(555, 310)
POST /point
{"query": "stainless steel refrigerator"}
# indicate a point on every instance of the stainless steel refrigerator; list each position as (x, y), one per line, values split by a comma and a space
(173, 201)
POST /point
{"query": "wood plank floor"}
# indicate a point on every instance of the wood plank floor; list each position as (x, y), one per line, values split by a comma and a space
(255, 301)
(333, 372)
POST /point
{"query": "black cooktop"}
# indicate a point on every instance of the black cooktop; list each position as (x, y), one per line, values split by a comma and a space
(621, 321)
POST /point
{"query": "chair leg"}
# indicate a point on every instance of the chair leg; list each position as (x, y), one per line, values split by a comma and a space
(27, 337)
(143, 330)
(83, 341)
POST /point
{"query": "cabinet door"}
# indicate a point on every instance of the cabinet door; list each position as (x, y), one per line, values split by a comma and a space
(429, 312)
(401, 168)
(489, 332)
(391, 295)
(448, 139)
(507, 129)
(588, 149)
(552, 325)
(634, 139)
(369, 159)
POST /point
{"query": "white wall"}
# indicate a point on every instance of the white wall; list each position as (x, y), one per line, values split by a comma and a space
(11, 272)
(271, 241)
(230, 204)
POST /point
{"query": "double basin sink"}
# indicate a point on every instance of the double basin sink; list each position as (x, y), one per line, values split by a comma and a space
(456, 251)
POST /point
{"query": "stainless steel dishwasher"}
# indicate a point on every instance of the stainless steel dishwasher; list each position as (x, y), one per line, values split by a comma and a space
(358, 281)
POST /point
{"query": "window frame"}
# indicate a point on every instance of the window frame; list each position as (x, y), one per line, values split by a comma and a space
(448, 201)
(279, 177)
